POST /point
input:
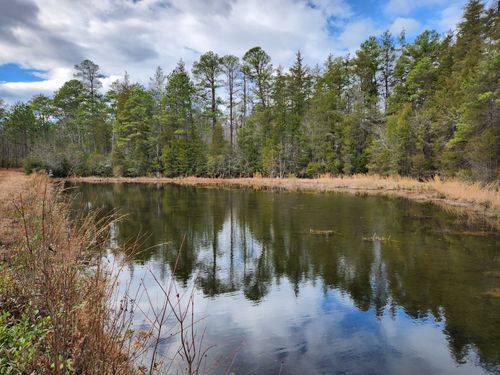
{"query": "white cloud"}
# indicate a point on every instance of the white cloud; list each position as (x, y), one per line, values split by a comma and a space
(14, 91)
(137, 36)
(355, 33)
(409, 25)
(45, 86)
(449, 17)
(443, 15)
(405, 7)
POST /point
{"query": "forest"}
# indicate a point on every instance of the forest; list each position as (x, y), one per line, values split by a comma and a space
(425, 107)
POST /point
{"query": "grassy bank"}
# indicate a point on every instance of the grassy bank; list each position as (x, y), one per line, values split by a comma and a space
(54, 293)
(473, 199)
(61, 311)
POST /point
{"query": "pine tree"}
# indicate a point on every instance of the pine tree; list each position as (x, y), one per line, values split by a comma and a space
(68, 101)
(259, 68)
(477, 139)
(206, 72)
(300, 86)
(88, 73)
(20, 130)
(366, 67)
(182, 144)
(231, 69)
(132, 127)
(157, 85)
(470, 36)
(274, 141)
(387, 62)
(324, 121)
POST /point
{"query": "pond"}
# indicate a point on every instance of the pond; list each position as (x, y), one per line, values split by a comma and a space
(316, 283)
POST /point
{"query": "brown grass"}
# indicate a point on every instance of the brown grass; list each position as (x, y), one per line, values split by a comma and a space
(54, 267)
(375, 237)
(49, 264)
(12, 182)
(469, 198)
(483, 196)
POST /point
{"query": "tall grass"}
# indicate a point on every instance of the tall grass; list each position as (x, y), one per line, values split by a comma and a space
(458, 189)
(58, 274)
(474, 199)
(57, 271)
(485, 195)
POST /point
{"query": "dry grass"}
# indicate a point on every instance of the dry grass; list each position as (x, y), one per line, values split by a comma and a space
(49, 264)
(494, 293)
(376, 238)
(55, 269)
(12, 182)
(486, 196)
(470, 198)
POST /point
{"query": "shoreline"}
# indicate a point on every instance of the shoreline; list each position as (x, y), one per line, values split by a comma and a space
(460, 197)
(64, 315)
(26, 259)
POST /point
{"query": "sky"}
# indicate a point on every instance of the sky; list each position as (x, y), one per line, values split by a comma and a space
(42, 40)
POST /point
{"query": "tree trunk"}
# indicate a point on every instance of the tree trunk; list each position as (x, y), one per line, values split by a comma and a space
(231, 116)
(244, 99)
(214, 117)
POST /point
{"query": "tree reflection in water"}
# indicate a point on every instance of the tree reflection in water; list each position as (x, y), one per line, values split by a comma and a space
(255, 244)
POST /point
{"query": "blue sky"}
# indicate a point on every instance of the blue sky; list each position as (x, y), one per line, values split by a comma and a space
(41, 40)
(12, 72)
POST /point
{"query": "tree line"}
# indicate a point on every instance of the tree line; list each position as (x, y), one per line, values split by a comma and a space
(420, 108)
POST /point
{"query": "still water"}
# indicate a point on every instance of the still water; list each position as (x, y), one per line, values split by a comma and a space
(297, 283)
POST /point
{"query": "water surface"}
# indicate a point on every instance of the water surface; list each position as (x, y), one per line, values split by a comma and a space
(279, 294)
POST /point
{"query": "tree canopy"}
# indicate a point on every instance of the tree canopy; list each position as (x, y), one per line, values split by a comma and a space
(420, 108)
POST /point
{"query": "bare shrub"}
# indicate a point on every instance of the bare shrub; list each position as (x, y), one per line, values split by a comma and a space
(59, 270)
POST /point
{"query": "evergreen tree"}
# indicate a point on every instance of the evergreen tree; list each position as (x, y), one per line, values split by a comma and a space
(299, 92)
(92, 116)
(300, 86)
(324, 121)
(387, 62)
(476, 141)
(183, 151)
(157, 85)
(259, 68)
(470, 36)
(20, 130)
(276, 138)
(425, 107)
(43, 111)
(366, 67)
(68, 101)
(231, 69)
(468, 55)
(206, 72)
(132, 127)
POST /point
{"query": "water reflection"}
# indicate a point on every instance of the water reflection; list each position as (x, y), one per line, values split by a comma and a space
(293, 297)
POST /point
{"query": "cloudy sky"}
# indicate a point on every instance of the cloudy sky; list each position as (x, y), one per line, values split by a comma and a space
(41, 40)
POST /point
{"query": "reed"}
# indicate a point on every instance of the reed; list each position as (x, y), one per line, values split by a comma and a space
(485, 195)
